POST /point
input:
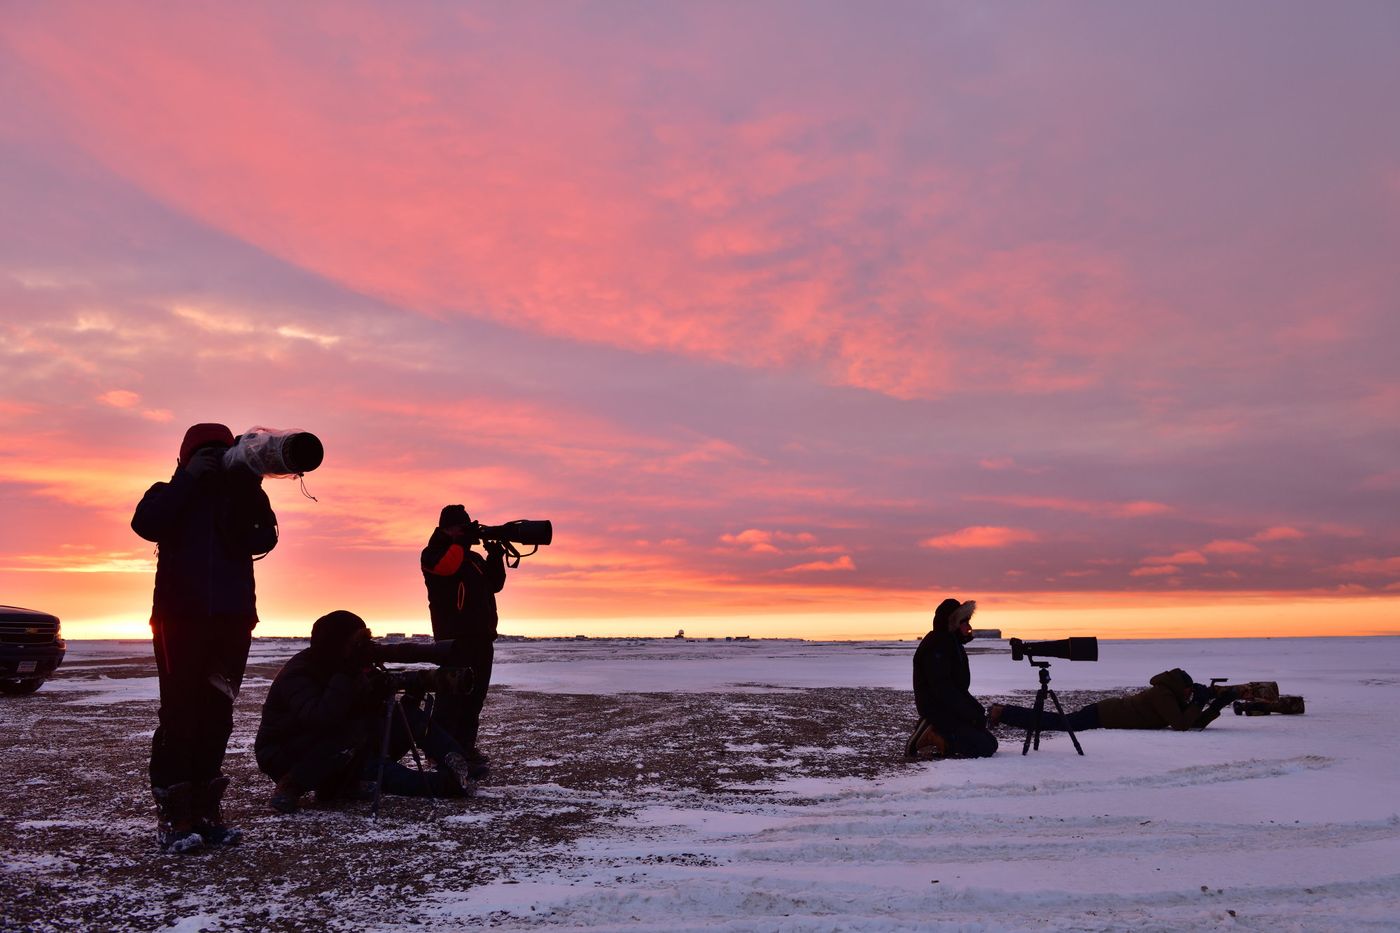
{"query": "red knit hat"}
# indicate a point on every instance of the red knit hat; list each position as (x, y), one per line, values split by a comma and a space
(200, 434)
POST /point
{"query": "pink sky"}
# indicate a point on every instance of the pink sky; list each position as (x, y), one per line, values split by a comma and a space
(807, 313)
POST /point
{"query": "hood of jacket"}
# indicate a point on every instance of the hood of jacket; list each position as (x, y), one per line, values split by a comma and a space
(1177, 681)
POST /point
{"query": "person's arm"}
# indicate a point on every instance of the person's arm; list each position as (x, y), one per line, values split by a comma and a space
(256, 523)
(494, 569)
(1215, 701)
(263, 534)
(443, 556)
(313, 705)
(1165, 706)
(940, 700)
(161, 506)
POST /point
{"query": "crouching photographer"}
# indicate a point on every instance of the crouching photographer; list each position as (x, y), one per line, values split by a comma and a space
(323, 722)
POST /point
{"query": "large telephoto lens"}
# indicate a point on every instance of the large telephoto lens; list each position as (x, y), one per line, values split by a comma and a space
(1072, 649)
(302, 452)
(522, 531)
(442, 652)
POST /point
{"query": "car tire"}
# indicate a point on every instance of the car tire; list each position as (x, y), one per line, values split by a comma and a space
(19, 688)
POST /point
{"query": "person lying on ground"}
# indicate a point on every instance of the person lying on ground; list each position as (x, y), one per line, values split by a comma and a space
(952, 724)
(1173, 701)
(323, 720)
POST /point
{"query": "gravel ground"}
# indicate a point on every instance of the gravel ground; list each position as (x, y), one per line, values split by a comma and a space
(79, 851)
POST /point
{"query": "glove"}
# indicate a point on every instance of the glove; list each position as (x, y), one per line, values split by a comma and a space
(494, 548)
(205, 461)
(453, 680)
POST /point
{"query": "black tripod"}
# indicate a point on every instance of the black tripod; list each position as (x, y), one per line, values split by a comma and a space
(391, 705)
(1033, 731)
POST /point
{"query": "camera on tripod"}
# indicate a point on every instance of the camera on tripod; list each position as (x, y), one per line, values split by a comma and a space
(451, 676)
(1072, 649)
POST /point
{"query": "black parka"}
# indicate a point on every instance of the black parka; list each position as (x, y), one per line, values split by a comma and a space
(208, 530)
(310, 699)
(941, 681)
(462, 587)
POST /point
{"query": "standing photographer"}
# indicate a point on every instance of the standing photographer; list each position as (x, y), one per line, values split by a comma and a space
(208, 522)
(952, 723)
(462, 587)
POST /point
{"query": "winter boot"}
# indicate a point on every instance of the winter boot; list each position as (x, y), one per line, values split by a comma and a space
(209, 815)
(175, 830)
(479, 763)
(285, 796)
(461, 769)
(925, 742)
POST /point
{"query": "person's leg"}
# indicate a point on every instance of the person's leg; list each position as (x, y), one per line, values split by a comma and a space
(450, 715)
(224, 659)
(404, 781)
(971, 742)
(323, 763)
(177, 669)
(1019, 717)
(1085, 718)
(443, 748)
(437, 743)
(481, 657)
(178, 662)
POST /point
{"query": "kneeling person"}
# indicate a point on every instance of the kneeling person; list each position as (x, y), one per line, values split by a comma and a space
(1172, 701)
(323, 720)
(952, 723)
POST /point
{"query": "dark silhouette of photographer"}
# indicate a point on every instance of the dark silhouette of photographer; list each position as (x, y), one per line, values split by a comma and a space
(952, 723)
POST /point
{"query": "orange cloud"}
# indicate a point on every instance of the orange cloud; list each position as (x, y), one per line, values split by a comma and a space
(844, 562)
(1373, 565)
(1278, 533)
(1229, 547)
(1133, 509)
(519, 196)
(980, 536)
(1155, 571)
(1181, 557)
(119, 398)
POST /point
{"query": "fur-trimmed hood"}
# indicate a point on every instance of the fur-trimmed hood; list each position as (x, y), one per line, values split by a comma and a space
(950, 614)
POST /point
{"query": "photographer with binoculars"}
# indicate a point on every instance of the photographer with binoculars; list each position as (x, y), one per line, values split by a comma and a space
(952, 724)
(462, 587)
(1172, 701)
(324, 718)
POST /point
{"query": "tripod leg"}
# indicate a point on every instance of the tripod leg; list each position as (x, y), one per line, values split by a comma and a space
(1072, 737)
(1033, 730)
(383, 755)
(413, 747)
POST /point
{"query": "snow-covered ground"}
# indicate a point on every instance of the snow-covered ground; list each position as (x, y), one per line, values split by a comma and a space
(803, 821)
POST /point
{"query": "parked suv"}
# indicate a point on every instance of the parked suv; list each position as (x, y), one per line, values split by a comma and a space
(30, 649)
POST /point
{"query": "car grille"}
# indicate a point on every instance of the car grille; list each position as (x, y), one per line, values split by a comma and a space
(27, 633)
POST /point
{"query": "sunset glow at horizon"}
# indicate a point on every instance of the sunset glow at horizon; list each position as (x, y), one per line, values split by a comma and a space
(794, 318)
